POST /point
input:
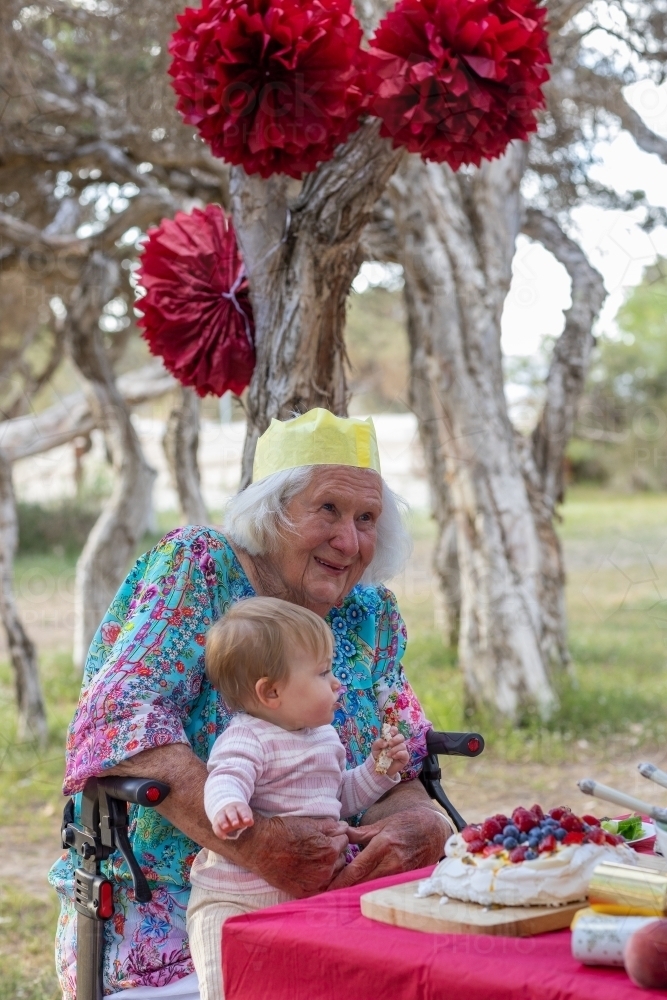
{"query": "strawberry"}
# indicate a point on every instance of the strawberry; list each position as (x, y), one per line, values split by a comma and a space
(558, 812)
(549, 843)
(490, 829)
(491, 849)
(574, 837)
(524, 820)
(501, 820)
(470, 833)
(476, 846)
(596, 835)
(591, 820)
(537, 811)
(571, 823)
(518, 854)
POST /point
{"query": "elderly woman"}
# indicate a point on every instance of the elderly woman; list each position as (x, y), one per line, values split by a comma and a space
(318, 527)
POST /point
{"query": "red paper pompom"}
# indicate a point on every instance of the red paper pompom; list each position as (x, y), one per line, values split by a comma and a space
(196, 311)
(457, 80)
(273, 85)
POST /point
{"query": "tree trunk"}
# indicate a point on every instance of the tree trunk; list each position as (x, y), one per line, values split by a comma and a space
(110, 545)
(180, 442)
(499, 489)
(301, 251)
(22, 653)
(457, 234)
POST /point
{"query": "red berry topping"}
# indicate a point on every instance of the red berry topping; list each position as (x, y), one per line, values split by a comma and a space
(470, 833)
(548, 844)
(571, 823)
(558, 812)
(524, 820)
(591, 820)
(501, 819)
(476, 846)
(574, 837)
(490, 849)
(595, 836)
(490, 829)
(518, 854)
(537, 811)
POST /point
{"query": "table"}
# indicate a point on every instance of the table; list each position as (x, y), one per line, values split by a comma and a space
(323, 949)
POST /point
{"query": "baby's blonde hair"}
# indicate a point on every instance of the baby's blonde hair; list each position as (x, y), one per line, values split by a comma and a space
(254, 640)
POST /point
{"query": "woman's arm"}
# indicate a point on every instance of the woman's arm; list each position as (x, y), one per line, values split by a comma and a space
(298, 855)
(401, 832)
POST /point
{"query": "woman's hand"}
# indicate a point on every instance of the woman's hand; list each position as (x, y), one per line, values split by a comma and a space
(299, 855)
(408, 833)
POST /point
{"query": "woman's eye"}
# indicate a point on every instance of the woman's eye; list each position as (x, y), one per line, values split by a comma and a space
(328, 506)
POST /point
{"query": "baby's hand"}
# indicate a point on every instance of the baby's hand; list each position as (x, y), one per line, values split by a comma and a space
(394, 749)
(232, 819)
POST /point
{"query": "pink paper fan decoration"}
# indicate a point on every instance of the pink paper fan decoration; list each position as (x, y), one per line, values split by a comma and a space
(196, 313)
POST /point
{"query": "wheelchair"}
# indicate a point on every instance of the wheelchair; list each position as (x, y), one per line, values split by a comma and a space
(103, 829)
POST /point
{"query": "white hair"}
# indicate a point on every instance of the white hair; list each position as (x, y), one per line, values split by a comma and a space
(256, 515)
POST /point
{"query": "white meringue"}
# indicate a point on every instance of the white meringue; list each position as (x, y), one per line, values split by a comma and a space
(550, 880)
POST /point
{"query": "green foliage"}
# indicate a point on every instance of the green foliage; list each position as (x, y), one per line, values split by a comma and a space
(60, 528)
(377, 346)
(625, 406)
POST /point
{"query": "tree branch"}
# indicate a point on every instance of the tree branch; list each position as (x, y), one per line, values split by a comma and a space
(569, 365)
(72, 417)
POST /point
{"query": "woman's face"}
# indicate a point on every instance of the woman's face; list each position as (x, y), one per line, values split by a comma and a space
(333, 536)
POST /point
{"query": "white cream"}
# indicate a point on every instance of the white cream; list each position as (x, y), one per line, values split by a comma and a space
(550, 880)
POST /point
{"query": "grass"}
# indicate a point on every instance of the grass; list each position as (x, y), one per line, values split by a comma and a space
(26, 946)
(616, 693)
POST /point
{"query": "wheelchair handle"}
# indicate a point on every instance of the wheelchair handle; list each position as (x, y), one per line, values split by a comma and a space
(455, 744)
(140, 791)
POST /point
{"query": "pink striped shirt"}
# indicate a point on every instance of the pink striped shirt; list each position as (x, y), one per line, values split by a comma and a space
(280, 773)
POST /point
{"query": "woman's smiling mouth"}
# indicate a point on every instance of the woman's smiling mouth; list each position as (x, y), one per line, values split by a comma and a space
(330, 566)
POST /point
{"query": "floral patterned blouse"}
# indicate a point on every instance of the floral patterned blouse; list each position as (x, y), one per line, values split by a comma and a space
(145, 686)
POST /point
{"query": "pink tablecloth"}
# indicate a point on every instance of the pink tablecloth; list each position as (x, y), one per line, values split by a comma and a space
(323, 949)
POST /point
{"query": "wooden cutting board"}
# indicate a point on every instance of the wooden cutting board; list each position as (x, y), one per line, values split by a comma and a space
(399, 906)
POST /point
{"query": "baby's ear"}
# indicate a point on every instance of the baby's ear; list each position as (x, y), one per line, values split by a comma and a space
(267, 693)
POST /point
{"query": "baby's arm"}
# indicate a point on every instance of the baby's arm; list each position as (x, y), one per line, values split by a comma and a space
(364, 785)
(234, 766)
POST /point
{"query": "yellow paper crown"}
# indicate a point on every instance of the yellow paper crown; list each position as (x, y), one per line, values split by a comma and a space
(316, 438)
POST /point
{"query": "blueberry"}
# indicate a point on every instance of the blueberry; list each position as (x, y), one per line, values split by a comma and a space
(523, 838)
(535, 832)
(509, 843)
(533, 842)
(498, 839)
(531, 854)
(560, 833)
(511, 830)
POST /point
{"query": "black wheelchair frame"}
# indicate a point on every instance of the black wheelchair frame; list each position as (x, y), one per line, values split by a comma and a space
(103, 829)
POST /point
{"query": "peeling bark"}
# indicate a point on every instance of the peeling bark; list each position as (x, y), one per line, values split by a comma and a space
(494, 491)
(458, 236)
(301, 250)
(110, 545)
(22, 653)
(180, 443)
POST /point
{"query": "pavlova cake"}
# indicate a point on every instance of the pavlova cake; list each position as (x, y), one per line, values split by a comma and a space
(528, 859)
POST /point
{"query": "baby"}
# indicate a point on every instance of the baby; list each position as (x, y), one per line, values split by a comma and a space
(280, 755)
